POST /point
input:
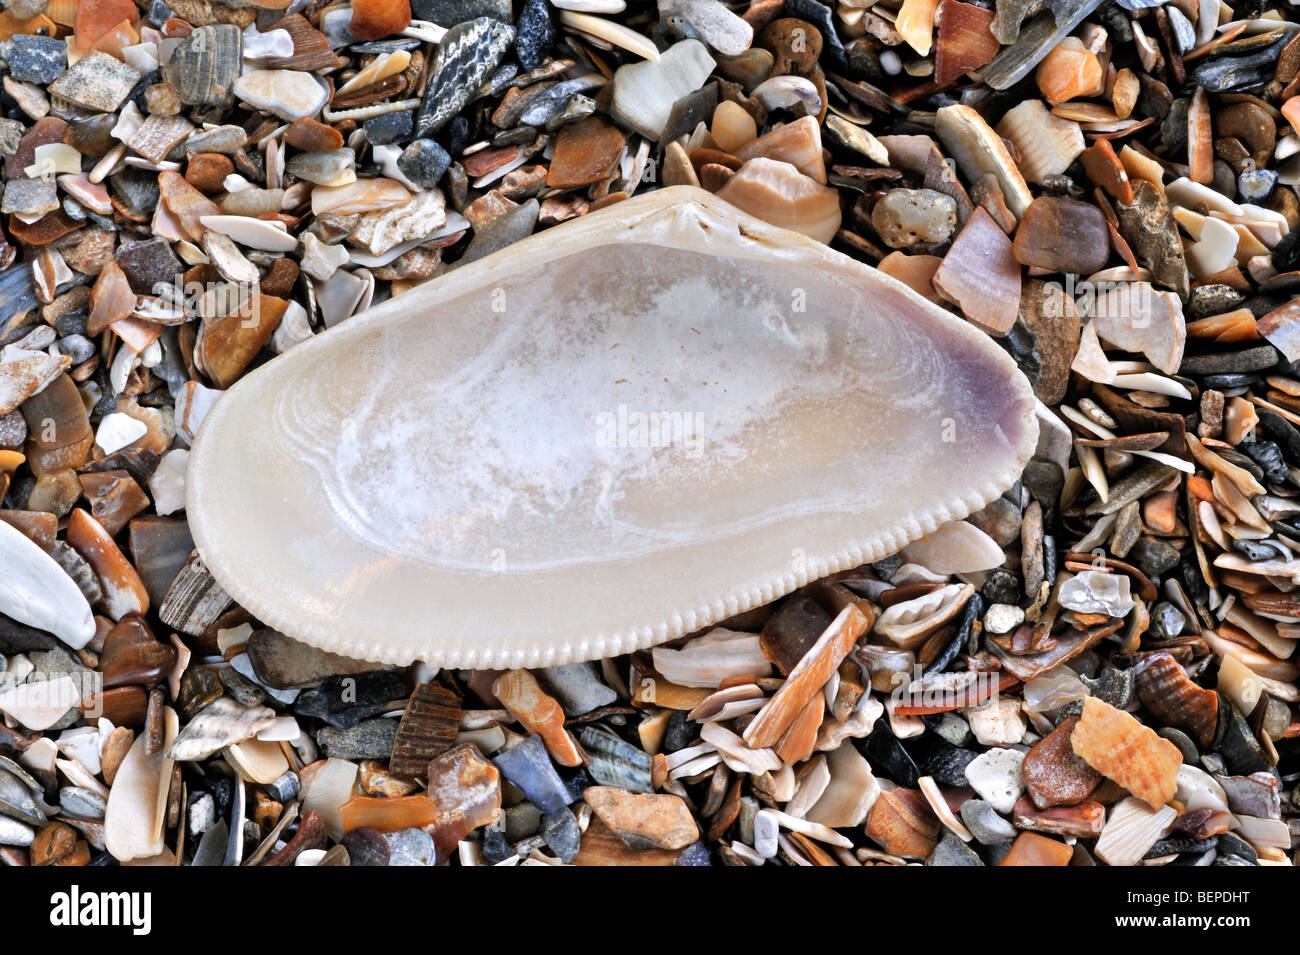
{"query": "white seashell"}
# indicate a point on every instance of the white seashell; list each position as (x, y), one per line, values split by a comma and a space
(1131, 829)
(859, 724)
(309, 857)
(53, 159)
(218, 725)
(167, 483)
(709, 659)
(956, 548)
(995, 777)
(36, 591)
(253, 233)
(611, 32)
(786, 92)
(851, 791)
(930, 790)
(1047, 143)
(590, 6)
(40, 705)
(117, 430)
(284, 728)
(910, 622)
(257, 46)
(644, 93)
(327, 789)
(294, 329)
(137, 802)
(673, 545)
(737, 754)
(141, 57)
(1094, 591)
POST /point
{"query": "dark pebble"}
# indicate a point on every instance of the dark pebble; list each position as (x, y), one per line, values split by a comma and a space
(947, 764)
(1001, 587)
(819, 15)
(390, 127)
(951, 851)
(345, 701)
(147, 263)
(369, 739)
(1184, 743)
(1207, 300)
(1230, 845)
(366, 847)
(424, 162)
(887, 755)
(36, 59)
(495, 847)
(696, 854)
(1168, 847)
(529, 769)
(1269, 458)
(1113, 686)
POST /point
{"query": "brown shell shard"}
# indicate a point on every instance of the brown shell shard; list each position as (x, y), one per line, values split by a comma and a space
(902, 822)
(428, 728)
(1053, 774)
(806, 680)
(1120, 748)
(1174, 700)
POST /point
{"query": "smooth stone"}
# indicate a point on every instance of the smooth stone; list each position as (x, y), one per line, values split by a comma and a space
(148, 263)
(81, 803)
(522, 821)
(289, 94)
(448, 13)
(1062, 235)
(370, 847)
(908, 217)
(369, 739)
(1246, 360)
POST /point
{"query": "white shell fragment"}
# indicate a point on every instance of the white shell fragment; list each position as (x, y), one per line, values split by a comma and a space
(137, 803)
(1097, 592)
(644, 92)
(956, 548)
(589, 436)
(708, 660)
(36, 591)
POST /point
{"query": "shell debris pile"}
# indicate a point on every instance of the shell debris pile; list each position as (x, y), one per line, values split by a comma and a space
(1099, 667)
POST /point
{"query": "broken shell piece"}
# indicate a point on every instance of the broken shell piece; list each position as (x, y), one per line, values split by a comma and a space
(708, 660)
(850, 792)
(124, 591)
(780, 194)
(979, 150)
(956, 548)
(137, 802)
(36, 591)
(908, 623)
(217, 726)
(1120, 748)
(539, 713)
(981, 276)
(438, 598)
(1047, 143)
(644, 93)
(1131, 829)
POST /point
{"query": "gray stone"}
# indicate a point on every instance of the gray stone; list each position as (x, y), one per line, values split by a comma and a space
(408, 847)
(577, 686)
(522, 821)
(561, 833)
(226, 140)
(615, 762)
(951, 851)
(30, 197)
(1183, 742)
(390, 127)
(36, 59)
(99, 82)
(284, 788)
(506, 229)
(369, 739)
(448, 13)
(284, 663)
(985, 824)
(81, 803)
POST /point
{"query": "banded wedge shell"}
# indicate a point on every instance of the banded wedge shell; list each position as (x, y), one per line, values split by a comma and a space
(471, 474)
